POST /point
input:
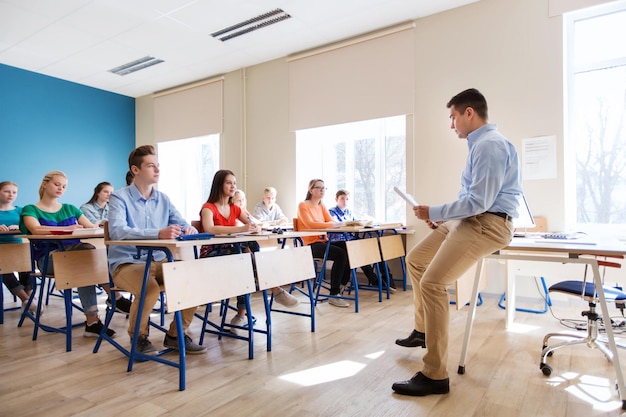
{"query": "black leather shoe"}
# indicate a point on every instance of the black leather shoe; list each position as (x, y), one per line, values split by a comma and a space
(415, 339)
(421, 385)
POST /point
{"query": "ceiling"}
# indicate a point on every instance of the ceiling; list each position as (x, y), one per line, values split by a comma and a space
(81, 40)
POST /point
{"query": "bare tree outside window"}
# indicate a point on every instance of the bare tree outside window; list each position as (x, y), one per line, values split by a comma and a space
(597, 74)
(367, 158)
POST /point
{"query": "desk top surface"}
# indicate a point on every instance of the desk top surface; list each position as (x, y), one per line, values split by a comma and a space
(216, 240)
(358, 229)
(584, 246)
(63, 237)
(10, 232)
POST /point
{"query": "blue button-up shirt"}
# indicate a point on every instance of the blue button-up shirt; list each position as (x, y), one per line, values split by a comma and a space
(491, 180)
(133, 217)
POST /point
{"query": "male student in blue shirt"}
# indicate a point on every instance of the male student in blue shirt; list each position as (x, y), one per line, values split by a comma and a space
(139, 211)
(477, 224)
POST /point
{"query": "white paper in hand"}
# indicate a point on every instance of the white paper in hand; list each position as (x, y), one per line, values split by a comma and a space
(407, 197)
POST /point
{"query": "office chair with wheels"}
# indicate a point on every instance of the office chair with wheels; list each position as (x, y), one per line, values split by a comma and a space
(587, 291)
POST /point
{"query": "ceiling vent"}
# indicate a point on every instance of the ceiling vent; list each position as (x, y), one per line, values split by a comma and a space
(136, 65)
(261, 21)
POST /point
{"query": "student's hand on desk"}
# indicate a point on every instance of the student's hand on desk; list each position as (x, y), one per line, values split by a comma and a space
(170, 232)
(252, 227)
(189, 230)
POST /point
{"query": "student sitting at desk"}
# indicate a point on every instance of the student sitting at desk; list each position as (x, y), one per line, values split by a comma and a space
(97, 208)
(10, 220)
(239, 199)
(219, 215)
(139, 211)
(267, 210)
(341, 213)
(49, 214)
(313, 214)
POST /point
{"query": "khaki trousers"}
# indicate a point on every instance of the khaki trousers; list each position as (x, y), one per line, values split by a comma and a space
(129, 277)
(437, 262)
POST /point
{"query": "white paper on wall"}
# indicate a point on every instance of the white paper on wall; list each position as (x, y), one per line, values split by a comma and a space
(539, 158)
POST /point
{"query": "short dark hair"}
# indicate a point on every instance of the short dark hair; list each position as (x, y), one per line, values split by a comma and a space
(470, 98)
(136, 156)
(217, 187)
(342, 191)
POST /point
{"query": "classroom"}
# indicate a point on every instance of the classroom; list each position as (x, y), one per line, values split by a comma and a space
(512, 51)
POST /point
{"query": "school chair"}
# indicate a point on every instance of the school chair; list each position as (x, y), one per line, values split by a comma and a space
(204, 281)
(362, 252)
(73, 269)
(14, 257)
(392, 247)
(282, 267)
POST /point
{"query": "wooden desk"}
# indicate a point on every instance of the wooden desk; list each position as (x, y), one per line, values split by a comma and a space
(346, 231)
(52, 242)
(168, 246)
(525, 249)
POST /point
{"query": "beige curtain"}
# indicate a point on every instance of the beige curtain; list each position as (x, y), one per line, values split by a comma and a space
(365, 78)
(190, 111)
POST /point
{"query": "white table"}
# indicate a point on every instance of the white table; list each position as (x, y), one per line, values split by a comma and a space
(528, 249)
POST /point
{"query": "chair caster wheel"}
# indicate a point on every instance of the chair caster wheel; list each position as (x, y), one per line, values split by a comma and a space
(545, 369)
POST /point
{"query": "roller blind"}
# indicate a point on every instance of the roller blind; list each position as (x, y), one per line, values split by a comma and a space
(365, 78)
(189, 111)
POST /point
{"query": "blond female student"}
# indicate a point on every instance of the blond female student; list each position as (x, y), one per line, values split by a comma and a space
(49, 214)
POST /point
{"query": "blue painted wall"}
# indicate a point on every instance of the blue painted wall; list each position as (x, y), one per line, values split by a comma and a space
(50, 124)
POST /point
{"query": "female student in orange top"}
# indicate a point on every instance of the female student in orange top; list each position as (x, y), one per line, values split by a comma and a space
(219, 216)
(313, 214)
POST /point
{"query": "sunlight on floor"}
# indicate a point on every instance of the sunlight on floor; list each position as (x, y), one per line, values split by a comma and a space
(521, 328)
(325, 373)
(597, 391)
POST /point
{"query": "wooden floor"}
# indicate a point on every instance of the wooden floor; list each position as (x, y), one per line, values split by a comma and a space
(345, 368)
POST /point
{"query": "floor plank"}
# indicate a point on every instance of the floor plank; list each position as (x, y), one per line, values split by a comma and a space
(345, 368)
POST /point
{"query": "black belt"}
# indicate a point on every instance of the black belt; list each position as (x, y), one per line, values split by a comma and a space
(505, 216)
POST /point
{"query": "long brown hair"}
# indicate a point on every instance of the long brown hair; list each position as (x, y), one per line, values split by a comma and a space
(217, 187)
(97, 190)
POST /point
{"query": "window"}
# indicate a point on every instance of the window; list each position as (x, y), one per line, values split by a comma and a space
(367, 158)
(187, 169)
(596, 114)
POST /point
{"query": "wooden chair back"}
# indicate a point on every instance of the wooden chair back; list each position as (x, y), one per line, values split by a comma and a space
(206, 280)
(80, 268)
(391, 247)
(294, 223)
(362, 252)
(197, 224)
(15, 257)
(284, 266)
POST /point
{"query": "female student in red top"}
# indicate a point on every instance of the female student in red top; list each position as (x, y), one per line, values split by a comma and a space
(313, 214)
(219, 216)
